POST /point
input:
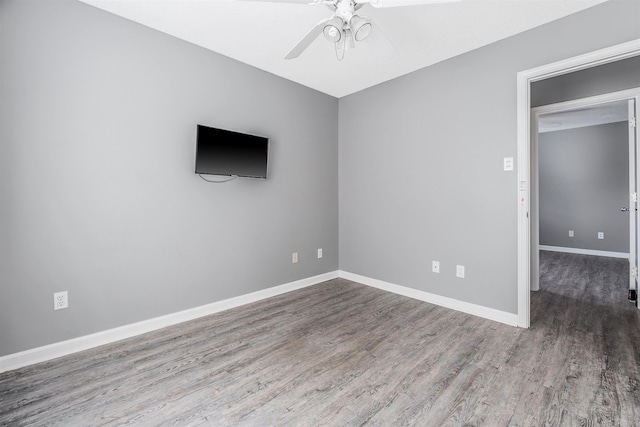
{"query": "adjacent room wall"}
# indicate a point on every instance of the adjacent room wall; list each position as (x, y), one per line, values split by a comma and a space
(611, 77)
(584, 181)
(421, 162)
(97, 190)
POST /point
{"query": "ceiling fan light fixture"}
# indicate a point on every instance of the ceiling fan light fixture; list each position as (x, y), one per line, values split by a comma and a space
(360, 27)
(333, 30)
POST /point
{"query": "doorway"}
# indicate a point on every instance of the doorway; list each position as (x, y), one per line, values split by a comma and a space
(583, 179)
(583, 173)
(526, 180)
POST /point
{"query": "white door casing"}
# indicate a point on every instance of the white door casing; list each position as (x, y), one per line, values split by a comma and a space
(633, 189)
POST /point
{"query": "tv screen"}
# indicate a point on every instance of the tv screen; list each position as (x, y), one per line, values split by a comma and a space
(224, 152)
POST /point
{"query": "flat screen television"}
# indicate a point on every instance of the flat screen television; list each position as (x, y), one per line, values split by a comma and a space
(229, 153)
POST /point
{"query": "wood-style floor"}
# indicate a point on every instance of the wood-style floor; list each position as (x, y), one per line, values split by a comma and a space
(341, 353)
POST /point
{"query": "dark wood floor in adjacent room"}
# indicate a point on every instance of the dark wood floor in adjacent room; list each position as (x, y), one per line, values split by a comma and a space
(341, 353)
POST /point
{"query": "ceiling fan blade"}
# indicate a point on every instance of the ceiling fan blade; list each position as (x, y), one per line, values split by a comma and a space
(307, 40)
(398, 3)
(288, 1)
(380, 42)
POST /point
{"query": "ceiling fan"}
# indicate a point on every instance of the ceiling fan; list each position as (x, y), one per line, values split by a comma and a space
(345, 26)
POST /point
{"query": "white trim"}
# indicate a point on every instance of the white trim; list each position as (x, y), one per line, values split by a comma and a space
(534, 211)
(589, 101)
(584, 251)
(524, 80)
(63, 348)
(465, 307)
(588, 60)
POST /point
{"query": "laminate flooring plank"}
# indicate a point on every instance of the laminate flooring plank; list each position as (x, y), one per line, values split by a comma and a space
(461, 402)
(502, 393)
(390, 361)
(527, 411)
(381, 382)
(432, 378)
(305, 381)
(496, 349)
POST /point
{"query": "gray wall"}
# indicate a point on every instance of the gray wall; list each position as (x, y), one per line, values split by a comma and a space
(607, 78)
(421, 160)
(584, 181)
(97, 190)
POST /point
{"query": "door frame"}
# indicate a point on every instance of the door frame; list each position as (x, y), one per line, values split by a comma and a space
(631, 95)
(524, 80)
(634, 215)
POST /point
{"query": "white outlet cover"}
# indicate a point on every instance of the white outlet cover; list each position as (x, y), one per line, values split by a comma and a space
(508, 164)
(460, 271)
(294, 257)
(60, 300)
(600, 235)
(320, 253)
(571, 233)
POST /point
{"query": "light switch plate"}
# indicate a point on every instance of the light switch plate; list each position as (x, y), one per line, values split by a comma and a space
(435, 266)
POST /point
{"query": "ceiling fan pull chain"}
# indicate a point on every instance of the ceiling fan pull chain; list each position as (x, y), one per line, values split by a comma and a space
(340, 49)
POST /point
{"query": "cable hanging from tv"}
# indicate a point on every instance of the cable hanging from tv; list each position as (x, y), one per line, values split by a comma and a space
(218, 182)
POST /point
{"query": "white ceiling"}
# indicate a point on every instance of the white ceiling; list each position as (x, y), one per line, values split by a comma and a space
(261, 34)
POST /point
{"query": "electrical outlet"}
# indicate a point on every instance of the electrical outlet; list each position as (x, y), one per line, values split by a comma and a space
(435, 266)
(460, 271)
(508, 163)
(294, 257)
(571, 233)
(320, 253)
(600, 235)
(60, 300)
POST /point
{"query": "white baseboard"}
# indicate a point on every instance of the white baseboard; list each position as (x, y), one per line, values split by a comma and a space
(465, 307)
(63, 348)
(584, 251)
